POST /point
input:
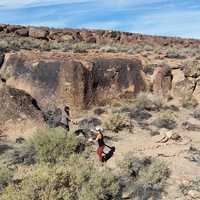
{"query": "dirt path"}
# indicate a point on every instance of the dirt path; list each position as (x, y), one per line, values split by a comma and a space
(173, 153)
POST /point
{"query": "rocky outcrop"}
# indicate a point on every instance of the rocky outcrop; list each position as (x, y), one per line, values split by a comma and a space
(162, 80)
(192, 69)
(93, 36)
(46, 80)
(184, 88)
(191, 83)
(38, 33)
(72, 81)
(1, 59)
(109, 79)
(24, 32)
(16, 105)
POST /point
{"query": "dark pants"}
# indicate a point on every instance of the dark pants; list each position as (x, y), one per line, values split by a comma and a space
(100, 153)
(65, 126)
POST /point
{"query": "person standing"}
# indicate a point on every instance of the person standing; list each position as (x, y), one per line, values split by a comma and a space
(66, 119)
(101, 143)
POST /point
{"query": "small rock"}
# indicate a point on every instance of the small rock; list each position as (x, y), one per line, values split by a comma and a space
(194, 194)
(190, 127)
(126, 195)
(196, 114)
(139, 114)
(20, 140)
(99, 111)
(52, 116)
(89, 123)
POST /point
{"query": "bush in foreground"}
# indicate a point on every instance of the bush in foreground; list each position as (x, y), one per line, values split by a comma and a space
(77, 179)
(143, 177)
(53, 145)
(5, 176)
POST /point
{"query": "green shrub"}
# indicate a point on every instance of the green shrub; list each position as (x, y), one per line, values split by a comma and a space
(114, 48)
(148, 48)
(151, 180)
(174, 53)
(116, 123)
(77, 179)
(81, 47)
(143, 177)
(150, 102)
(143, 101)
(53, 145)
(189, 102)
(5, 176)
(131, 165)
(191, 68)
(166, 120)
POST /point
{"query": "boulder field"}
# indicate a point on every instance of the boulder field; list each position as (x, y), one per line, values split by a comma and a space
(90, 36)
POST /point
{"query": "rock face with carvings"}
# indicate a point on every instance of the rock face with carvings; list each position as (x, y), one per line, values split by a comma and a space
(162, 80)
(73, 81)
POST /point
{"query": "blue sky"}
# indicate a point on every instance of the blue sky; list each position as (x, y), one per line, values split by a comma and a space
(155, 17)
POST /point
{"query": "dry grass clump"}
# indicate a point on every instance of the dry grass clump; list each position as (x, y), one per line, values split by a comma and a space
(149, 101)
(166, 120)
(143, 177)
(189, 102)
(191, 187)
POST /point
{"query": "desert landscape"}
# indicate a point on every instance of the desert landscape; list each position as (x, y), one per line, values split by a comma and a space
(144, 91)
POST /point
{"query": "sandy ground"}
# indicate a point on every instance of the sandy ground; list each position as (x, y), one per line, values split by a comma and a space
(141, 143)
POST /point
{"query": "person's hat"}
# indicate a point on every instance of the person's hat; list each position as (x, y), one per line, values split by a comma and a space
(98, 128)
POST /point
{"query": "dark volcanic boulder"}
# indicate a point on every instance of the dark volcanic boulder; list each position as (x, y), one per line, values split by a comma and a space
(53, 116)
(1, 59)
(39, 33)
(139, 114)
(99, 111)
(12, 28)
(22, 32)
(114, 78)
(16, 104)
(48, 81)
(74, 82)
(162, 80)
